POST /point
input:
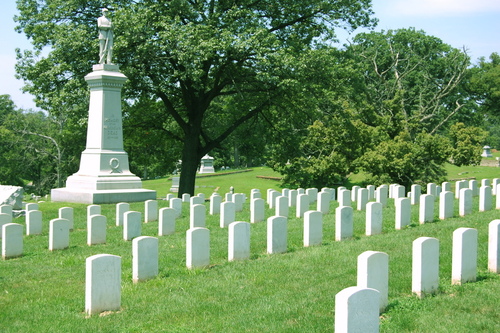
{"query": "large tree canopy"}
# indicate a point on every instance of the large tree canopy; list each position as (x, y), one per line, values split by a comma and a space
(212, 65)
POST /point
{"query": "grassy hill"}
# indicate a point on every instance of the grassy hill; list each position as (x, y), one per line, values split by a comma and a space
(44, 291)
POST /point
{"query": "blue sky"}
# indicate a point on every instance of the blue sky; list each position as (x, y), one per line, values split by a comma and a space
(473, 24)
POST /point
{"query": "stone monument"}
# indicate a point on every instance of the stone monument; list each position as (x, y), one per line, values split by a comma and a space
(104, 175)
(207, 164)
(487, 152)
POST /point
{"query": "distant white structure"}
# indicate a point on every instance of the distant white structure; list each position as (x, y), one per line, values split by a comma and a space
(207, 164)
(486, 152)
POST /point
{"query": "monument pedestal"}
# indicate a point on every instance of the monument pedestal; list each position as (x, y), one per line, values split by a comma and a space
(104, 175)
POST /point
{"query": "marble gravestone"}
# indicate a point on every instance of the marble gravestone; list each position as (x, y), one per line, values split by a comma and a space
(104, 175)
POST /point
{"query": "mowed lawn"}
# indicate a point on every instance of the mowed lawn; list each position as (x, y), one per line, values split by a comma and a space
(44, 291)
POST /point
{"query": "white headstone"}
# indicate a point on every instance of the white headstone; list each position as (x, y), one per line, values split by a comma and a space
(313, 194)
(67, 213)
(132, 225)
(362, 199)
(121, 209)
(281, 206)
(494, 185)
(371, 192)
(197, 216)
(12, 241)
(197, 248)
(93, 210)
(144, 258)
(323, 202)
(196, 200)
(426, 211)
(343, 223)
(302, 205)
(4, 219)
(186, 197)
(403, 213)
(102, 283)
(58, 234)
(277, 234)
(473, 186)
(465, 202)
(446, 187)
(357, 310)
(381, 195)
(166, 223)
(150, 210)
(485, 198)
(215, 201)
(33, 222)
(344, 198)
(257, 209)
(96, 229)
(31, 206)
(313, 228)
(239, 241)
(416, 191)
(227, 213)
(464, 256)
(494, 246)
(446, 202)
(425, 266)
(354, 193)
(292, 198)
(373, 218)
(373, 272)
(176, 203)
(432, 189)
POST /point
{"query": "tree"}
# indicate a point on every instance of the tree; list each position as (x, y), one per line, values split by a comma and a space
(213, 64)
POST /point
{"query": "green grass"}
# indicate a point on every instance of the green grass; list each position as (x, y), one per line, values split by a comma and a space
(291, 292)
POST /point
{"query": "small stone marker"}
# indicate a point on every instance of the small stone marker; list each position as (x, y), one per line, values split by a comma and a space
(343, 223)
(357, 310)
(426, 211)
(313, 228)
(277, 238)
(494, 246)
(313, 194)
(344, 198)
(196, 200)
(96, 229)
(446, 202)
(176, 203)
(373, 218)
(150, 210)
(302, 205)
(373, 272)
(58, 234)
(432, 189)
(227, 214)
(461, 184)
(292, 198)
(485, 198)
(12, 242)
(102, 283)
(93, 210)
(215, 202)
(464, 255)
(403, 212)
(131, 225)
(166, 223)
(197, 248)
(239, 241)
(271, 197)
(371, 192)
(67, 213)
(381, 194)
(197, 216)
(473, 187)
(121, 209)
(144, 258)
(33, 222)
(186, 197)
(281, 206)
(465, 202)
(425, 266)
(446, 187)
(257, 209)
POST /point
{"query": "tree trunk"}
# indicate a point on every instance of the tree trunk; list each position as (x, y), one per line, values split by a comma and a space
(190, 160)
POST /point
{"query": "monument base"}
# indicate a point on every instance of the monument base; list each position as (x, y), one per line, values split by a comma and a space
(101, 196)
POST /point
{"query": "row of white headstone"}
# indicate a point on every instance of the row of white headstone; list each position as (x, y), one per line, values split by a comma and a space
(357, 308)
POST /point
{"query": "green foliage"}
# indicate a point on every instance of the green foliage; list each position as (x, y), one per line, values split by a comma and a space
(467, 144)
(213, 64)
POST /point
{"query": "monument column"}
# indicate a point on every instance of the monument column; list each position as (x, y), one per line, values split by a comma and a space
(104, 175)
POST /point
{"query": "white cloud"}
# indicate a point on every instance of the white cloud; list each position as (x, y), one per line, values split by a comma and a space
(436, 7)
